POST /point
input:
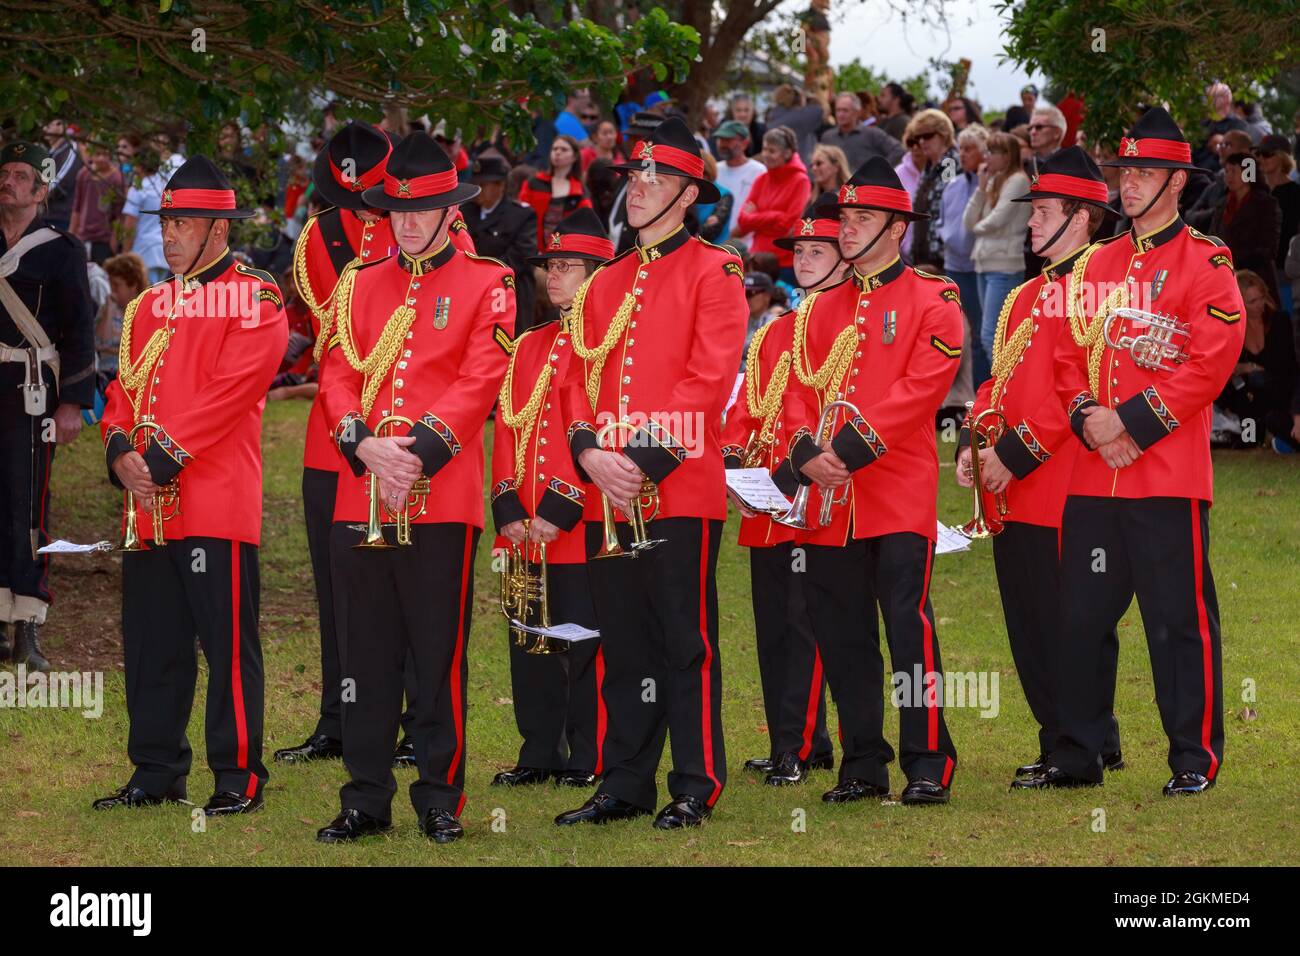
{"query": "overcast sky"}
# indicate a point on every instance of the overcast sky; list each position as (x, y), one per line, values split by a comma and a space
(870, 31)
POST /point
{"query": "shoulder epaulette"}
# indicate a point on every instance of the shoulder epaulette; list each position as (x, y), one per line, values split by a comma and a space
(256, 273)
(1197, 234)
(931, 275)
(1102, 242)
(483, 258)
(733, 269)
(356, 265)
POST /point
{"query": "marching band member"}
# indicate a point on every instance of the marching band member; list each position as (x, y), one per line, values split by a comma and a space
(348, 232)
(789, 667)
(1136, 516)
(537, 497)
(197, 355)
(1029, 465)
(428, 329)
(888, 341)
(659, 331)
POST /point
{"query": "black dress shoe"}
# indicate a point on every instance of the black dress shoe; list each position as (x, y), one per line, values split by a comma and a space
(1038, 765)
(1113, 761)
(821, 762)
(847, 791)
(404, 755)
(575, 778)
(923, 792)
(521, 777)
(759, 765)
(315, 747)
(684, 811)
(441, 826)
(601, 808)
(130, 796)
(789, 770)
(351, 824)
(227, 803)
(1053, 778)
(1187, 783)
(27, 647)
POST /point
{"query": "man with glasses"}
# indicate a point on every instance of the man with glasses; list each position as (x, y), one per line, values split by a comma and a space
(1046, 131)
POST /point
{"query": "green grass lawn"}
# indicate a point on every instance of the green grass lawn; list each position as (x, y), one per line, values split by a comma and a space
(54, 762)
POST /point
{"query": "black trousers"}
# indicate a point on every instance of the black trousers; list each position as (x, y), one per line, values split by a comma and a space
(558, 706)
(843, 585)
(318, 490)
(411, 602)
(24, 509)
(209, 587)
(1158, 548)
(1027, 560)
(789, 666)
(658, 616)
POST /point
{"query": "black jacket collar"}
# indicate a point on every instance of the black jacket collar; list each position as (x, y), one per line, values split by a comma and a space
(668, 244)
(428, 262)
(1159, 237)
(211, 271)
(1054, 270)
(881, 277)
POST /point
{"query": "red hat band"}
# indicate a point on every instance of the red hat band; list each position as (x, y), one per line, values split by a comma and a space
(1076, 186)
(880, 196)
(198, 199)
(816, 229)
(1154, 149)
(417, 187)
(581, 245)
(690, 164)
(356, 184)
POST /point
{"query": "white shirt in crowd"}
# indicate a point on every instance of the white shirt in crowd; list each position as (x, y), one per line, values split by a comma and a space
(148, 244)
(738, 180)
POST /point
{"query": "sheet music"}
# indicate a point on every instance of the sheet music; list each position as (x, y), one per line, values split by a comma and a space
(755, 487)
(561, 632)
(950, 540)
(67, 547)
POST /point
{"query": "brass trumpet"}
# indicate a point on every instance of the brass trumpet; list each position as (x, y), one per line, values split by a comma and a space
(636, 509)
(417, 498)
(521, 588)
(983, 525)
(797, 516)
(166, 503)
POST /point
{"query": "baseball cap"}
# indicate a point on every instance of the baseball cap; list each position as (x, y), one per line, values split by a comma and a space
(731, 128)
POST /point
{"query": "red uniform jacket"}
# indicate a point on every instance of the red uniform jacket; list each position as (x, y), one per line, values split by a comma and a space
(1176, 271)
(670, 369)
(779, 197)
(226, 335)
(532, 470)
(328, 243)
(443, 374)
(909, 331)
(770, 352)
(1037, 446)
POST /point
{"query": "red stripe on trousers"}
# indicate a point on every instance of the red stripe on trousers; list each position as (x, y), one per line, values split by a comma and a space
(810, 715)
(927, 644)
(1207, 650)
(236, 674)
(706, 690)
(602, 718)
(457, 691)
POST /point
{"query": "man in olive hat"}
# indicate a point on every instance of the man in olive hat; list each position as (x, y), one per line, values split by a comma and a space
(47, 365)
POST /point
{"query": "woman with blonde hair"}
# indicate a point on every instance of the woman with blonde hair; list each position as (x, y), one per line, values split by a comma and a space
(830, 170)
(998, 225)
(932, 131)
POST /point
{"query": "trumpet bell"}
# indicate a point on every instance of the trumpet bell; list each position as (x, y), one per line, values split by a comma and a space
(983, 525)
(797, 516)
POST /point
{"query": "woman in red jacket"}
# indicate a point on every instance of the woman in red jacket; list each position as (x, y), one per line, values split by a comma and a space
(557, 191)
(777, 198)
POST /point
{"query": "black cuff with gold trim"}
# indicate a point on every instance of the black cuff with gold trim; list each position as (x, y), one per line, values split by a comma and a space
(654, 451)
(115, 447)
(733, 456)
(1146, 418)
(561, 504)
(164, 457)
(1013, 451)
(582, 435)
(803, 449)
(506, 506)
(857, 444)
(786, 481)
(435, 443)
(350, 432)
(1077, 418)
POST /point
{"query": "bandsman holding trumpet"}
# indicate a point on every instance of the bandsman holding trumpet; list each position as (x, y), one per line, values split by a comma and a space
(1155, 330)
(657, 335)
(887, 342)
(182, 431)
(428, 330)
(537, 505)
(1026, 449)
(789, 667)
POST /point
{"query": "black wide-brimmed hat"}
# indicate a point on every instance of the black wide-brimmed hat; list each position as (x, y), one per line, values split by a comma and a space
(1155, 141)
(351, 163)
(875, 185)
(822, 226)
(674, 152)
(201, 191)
(419, 176)
(577, 236)
(1070, 174)
(489, 169)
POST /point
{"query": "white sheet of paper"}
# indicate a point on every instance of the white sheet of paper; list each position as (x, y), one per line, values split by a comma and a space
(755, 487)
(67, 547)
(561, 632)
(950, 540)
(735, 393)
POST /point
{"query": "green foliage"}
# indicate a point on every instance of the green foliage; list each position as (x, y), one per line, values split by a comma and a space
(1116, 54)
(856, 75)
